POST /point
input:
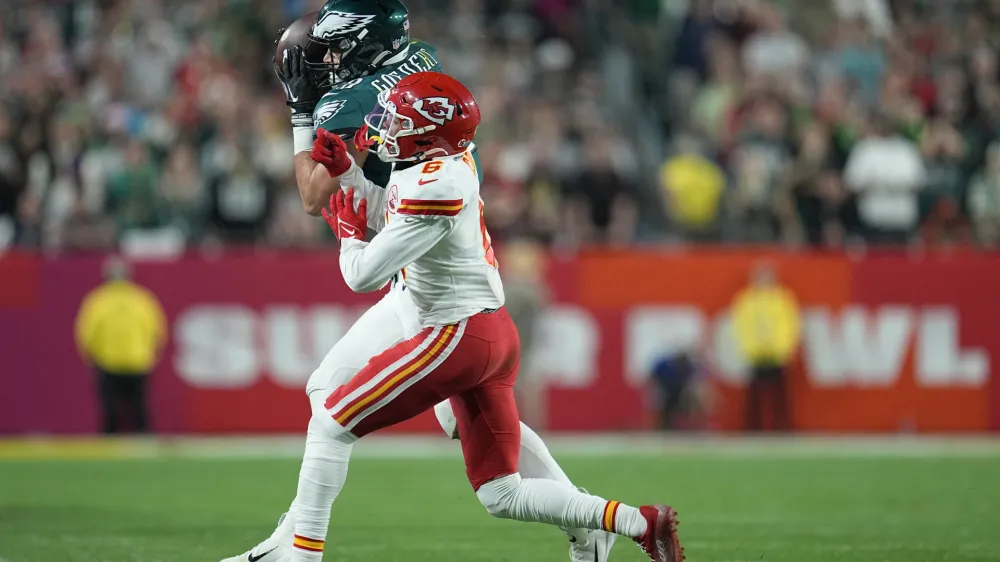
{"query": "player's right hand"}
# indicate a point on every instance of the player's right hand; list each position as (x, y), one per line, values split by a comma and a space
(331, 151)
(300, 93)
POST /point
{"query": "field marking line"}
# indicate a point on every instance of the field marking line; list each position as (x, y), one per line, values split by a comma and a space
(563, 446)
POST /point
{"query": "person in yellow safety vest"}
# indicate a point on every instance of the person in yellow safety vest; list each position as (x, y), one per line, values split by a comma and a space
(766, 323)
(120, 332)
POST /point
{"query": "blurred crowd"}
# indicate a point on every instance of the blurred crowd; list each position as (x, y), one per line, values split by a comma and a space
(157, 124)
(840, 122)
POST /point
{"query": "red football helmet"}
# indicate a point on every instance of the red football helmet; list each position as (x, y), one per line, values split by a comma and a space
(426, 115)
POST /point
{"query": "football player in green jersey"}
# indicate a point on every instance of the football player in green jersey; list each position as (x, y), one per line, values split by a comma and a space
(333, 65)
(354, 50)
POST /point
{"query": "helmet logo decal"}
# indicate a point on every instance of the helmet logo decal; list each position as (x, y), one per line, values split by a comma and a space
(437, 110)
(340, 23)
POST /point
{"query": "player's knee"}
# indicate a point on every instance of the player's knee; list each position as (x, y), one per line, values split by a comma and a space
(499, 496)
(325, 378)
(324, 427)
(446, 417)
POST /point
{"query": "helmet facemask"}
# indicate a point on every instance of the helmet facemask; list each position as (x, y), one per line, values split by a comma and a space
(323, 72)
(356, 58)
(389, 126)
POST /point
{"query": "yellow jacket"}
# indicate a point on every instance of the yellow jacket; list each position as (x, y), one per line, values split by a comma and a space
(121, 328)
(766, 323)
(695, 187)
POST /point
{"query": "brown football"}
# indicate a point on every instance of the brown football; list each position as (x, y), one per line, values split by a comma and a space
(295, 34)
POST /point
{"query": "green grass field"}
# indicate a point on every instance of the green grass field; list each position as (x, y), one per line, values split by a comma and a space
(774, 503)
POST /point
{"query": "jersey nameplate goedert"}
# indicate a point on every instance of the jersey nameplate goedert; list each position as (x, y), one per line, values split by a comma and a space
(344, 108)
(421, 61)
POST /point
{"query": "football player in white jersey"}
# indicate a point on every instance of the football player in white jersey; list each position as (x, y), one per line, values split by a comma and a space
(322, 67)
(467, 348)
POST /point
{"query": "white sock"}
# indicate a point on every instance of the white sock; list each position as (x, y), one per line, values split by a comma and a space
(547, 501)
(625, 520)
(322, 477)
(535, 461)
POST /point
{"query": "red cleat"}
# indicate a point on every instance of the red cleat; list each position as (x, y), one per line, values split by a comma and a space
(660, 541)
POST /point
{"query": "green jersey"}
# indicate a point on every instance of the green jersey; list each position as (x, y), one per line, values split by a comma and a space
(344, 108)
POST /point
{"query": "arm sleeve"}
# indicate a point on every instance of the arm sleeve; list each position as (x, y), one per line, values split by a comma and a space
(159, 320)
(791, 311)
(743, 328)
(419, 224)
(366, 266)
(84, 326)
(355, 177)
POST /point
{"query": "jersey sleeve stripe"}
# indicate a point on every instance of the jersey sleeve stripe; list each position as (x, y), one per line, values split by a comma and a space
(434, 207)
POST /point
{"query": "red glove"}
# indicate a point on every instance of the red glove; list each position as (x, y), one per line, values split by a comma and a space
(343, 219)
(361, 140)
(330, 151)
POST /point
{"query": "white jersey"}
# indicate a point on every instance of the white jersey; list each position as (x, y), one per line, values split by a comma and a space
(431, 227)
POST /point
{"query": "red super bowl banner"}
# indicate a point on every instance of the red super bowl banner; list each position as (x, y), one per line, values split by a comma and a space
(889, 342)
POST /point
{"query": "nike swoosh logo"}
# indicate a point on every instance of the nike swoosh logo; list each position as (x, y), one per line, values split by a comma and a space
(425, 182)
(349, 230)
(252, 558)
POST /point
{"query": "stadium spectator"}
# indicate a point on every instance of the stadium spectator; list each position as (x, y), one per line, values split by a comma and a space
(601, 200)
(766, 323)
(984, 199)
(822, 203)
(760, 202)
(674, 381)
(716, 98)
(774, 51)
(885, 169)
(693, 187)
(132, 191)
(84, 86)
(11, 180)
(183, 198)
(120, 332)
(527, 298)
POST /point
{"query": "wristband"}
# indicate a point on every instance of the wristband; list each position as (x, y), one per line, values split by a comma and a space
(302, 139)
(302, 119)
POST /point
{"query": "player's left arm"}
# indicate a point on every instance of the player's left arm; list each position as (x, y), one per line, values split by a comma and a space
(315, 183)
(367, 266)
(341, 115)
(86, 318)
(158, 320)
(426, 213)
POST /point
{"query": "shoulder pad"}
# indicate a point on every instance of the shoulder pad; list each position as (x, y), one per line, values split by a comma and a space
(428, 190)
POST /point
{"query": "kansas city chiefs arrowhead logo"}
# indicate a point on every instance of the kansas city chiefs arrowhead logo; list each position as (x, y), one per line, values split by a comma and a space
(437, 110)
(333, 24)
